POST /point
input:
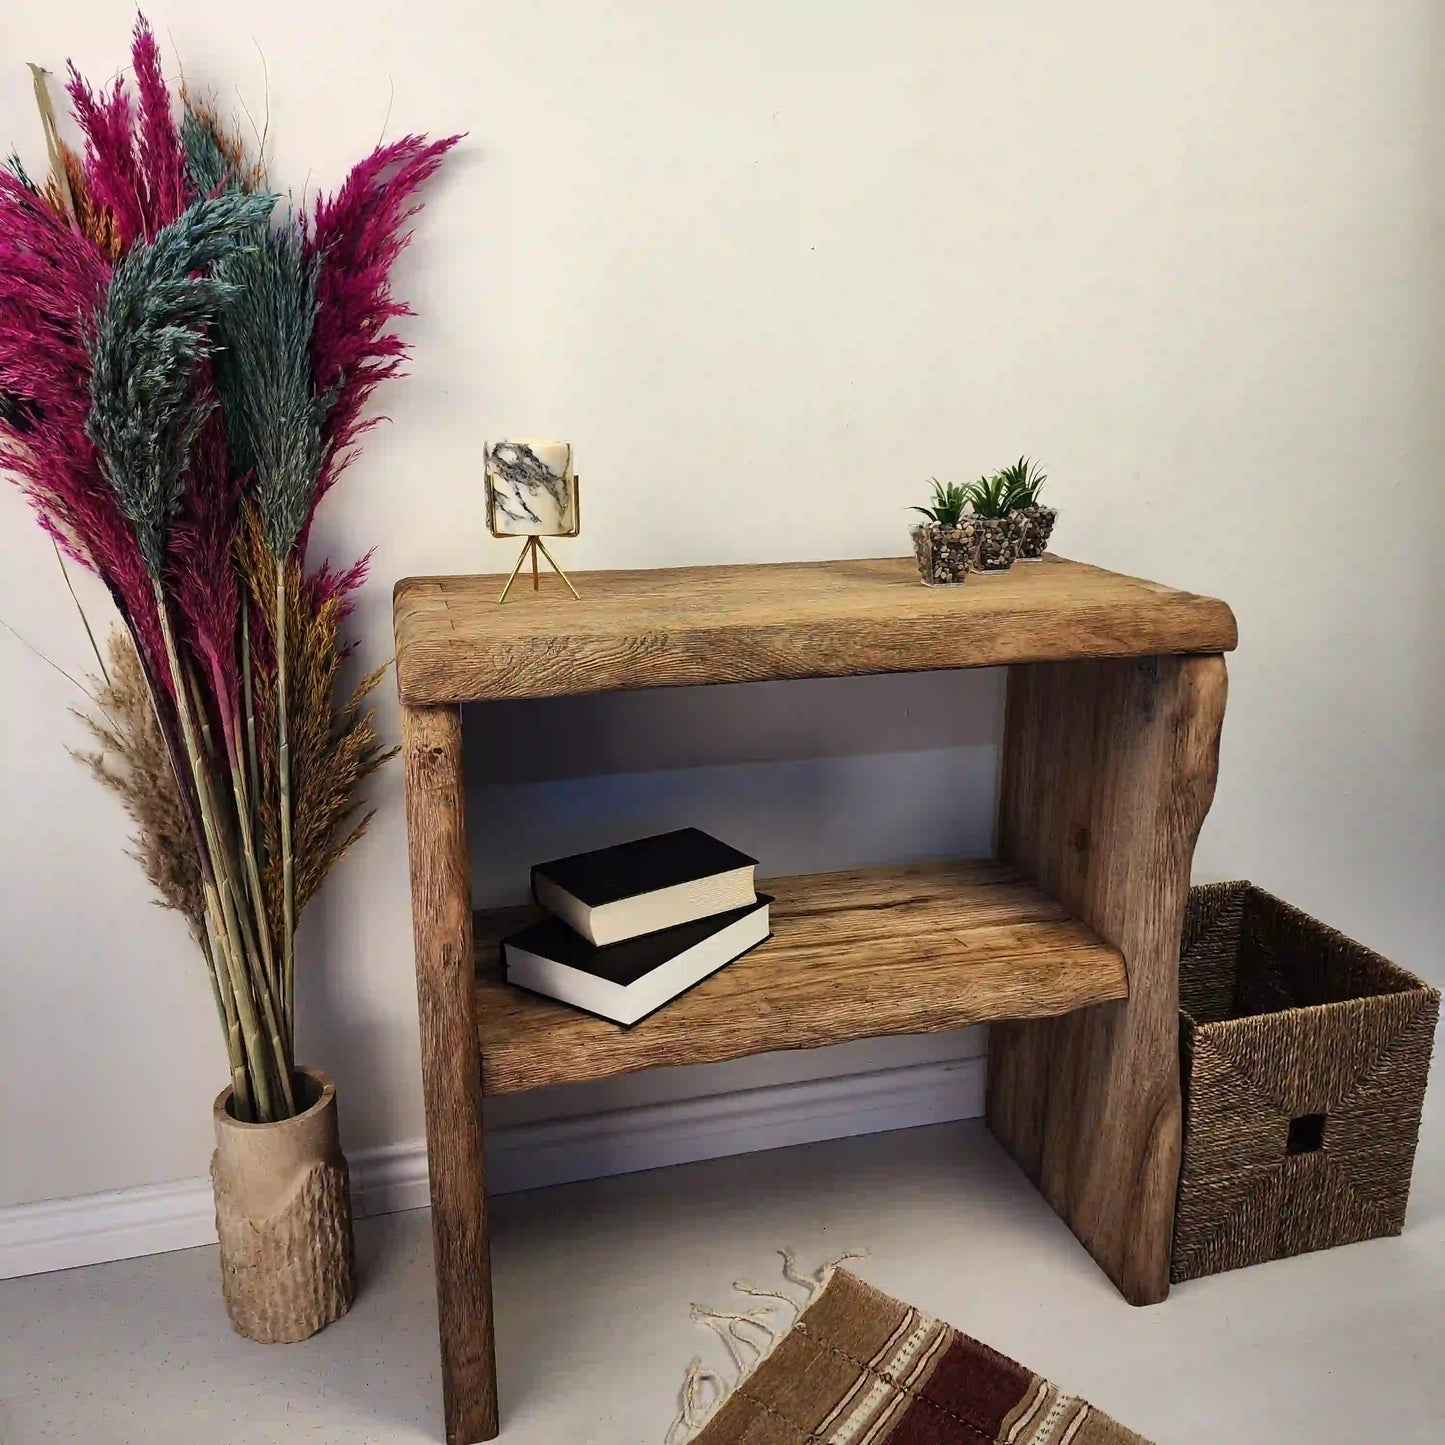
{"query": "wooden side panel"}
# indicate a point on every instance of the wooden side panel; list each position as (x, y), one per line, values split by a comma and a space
(451, 1067)
(1108, 771)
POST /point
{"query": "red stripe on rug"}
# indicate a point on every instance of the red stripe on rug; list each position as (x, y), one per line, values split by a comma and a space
(969, 1394)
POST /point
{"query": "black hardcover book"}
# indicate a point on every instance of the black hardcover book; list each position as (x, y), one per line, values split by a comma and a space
(631, 889)
(627, 981)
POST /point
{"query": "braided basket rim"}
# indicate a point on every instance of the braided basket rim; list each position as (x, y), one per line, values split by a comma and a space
(1410, 985)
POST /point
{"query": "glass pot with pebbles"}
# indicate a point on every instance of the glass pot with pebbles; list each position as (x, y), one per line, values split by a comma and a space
(947, 544)
(1032, 522)
(992, 503)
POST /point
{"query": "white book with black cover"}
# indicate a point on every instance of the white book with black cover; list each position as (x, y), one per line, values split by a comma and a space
(627, 981)
(612, 894)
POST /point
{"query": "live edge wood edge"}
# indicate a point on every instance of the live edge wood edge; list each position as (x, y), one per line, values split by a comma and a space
(1108, 771)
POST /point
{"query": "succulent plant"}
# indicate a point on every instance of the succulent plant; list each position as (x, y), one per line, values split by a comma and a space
(1025, 480)
(949, 500)
(990, 496)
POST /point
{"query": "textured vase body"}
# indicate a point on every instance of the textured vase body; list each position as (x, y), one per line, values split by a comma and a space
(283, 1215)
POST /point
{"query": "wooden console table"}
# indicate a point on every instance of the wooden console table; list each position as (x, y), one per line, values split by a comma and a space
(1068, 942)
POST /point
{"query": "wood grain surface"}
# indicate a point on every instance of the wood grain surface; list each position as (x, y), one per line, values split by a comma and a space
(1108, 772)
(661, 628)
(881, 951)
(451, 1067)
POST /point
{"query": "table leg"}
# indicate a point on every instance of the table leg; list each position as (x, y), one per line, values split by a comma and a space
(1108, 772)
(441, 904)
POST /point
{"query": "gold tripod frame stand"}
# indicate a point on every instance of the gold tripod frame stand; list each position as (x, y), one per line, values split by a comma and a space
(531, 545)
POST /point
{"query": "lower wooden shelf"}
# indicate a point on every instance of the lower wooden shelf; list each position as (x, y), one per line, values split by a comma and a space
(853, 955)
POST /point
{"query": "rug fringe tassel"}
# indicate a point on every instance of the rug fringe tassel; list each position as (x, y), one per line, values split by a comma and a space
(692, 1414)
(771, 1321)
(743, 1287)
(727, 1327)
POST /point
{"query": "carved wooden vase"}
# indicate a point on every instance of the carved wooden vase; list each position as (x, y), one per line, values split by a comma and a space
(283, 1214)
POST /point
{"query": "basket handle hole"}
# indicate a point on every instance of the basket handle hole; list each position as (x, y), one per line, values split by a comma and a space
(1307, 1133)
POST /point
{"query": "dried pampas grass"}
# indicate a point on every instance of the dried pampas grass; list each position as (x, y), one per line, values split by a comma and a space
(217, 154)
(175, 362)
(132, 761)
(334, 745)
(94, 221)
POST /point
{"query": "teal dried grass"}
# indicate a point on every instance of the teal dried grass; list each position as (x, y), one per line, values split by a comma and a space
(273, 416)
(16, 167)
(149, 338)
(274, 420)
(208, 168)
(215, 157)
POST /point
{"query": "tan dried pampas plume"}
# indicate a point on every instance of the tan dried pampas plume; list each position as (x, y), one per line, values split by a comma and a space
(96, 222)
(334, 746)
(132, 761)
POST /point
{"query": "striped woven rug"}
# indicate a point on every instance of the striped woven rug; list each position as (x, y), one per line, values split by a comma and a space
(857, 1367)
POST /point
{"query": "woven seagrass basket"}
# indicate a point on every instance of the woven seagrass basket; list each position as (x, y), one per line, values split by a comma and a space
(1304, 1058)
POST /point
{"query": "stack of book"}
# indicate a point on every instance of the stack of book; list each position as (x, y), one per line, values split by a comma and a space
(635, 925)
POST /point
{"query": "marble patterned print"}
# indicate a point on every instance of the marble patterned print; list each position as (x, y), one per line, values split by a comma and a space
(533, 492)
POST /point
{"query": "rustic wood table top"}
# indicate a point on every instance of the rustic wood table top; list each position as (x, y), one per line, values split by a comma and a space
(680, 625)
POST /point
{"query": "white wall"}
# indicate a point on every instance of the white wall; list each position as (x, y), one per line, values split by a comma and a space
(768, 265)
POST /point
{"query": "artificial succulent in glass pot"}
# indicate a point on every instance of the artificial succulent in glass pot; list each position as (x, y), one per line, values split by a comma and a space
(947, 544)
(1032, 522)
(991, 501)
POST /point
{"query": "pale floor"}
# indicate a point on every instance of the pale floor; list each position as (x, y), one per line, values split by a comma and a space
(593, 1284)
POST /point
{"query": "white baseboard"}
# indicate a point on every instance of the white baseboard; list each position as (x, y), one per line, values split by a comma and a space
(119, 1224)
(152, 1218)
